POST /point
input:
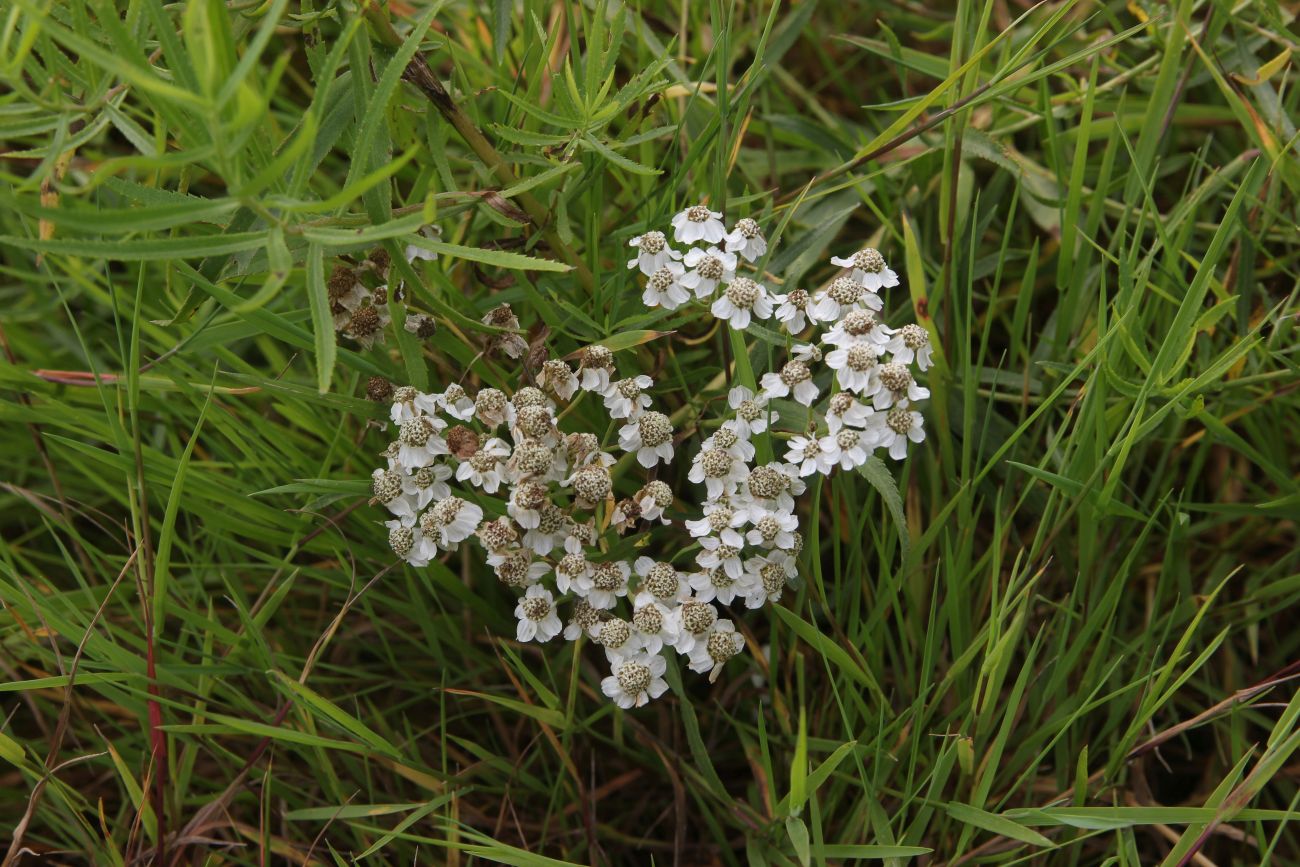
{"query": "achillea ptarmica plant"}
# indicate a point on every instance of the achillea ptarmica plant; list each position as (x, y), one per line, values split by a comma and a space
(547, 503)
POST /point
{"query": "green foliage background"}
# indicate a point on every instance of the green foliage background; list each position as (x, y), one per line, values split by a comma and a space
(1064, 631)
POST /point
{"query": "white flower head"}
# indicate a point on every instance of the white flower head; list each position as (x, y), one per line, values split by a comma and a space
(713, 650)
(388, 487)
(844, 410)
(708, 268)
(557, 377)
(894, 428)
(515, 567)
(450, 521)
(855, 367)
(595, 366)
(650, 436)
(841, 296)
(806, 452)
(486, 467)
(697, 223)
(416, 253)
(795, 310)
(859, 326)
(794, 378)
(665, 288)
(653, 252)
(741, 302)
(656, 624)
(747, 240)
(767, 577)
(637, 679)
(752, 413)
(848, 448)
(653, 499)
(695, 620)
(427, 484)
(715, 554)
(772, 528)
(718, 469)
(660, 582)
(897, 384)
(715, 584)
(585, 620)
(410, 544)
(455, 403)
(601, 584)
(418, 442)
(868, 267)
(911, 342)
(538, 619)
(626, 398)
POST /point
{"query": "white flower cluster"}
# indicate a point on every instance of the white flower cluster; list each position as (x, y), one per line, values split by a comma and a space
(541, 501)
(875, 389)
(556, 515)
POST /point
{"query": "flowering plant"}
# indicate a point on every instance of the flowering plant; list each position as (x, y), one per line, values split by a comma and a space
(539, 493)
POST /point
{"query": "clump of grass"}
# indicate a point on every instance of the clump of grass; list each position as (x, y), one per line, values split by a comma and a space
(1064, 633)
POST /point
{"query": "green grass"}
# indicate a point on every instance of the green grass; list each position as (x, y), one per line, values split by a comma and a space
(1068, 636)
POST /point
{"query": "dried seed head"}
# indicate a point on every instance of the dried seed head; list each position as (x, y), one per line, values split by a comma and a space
(365, 321)
(341, 281)
(462, 442)
(380, 295)
(421, 325)
(378, 389)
